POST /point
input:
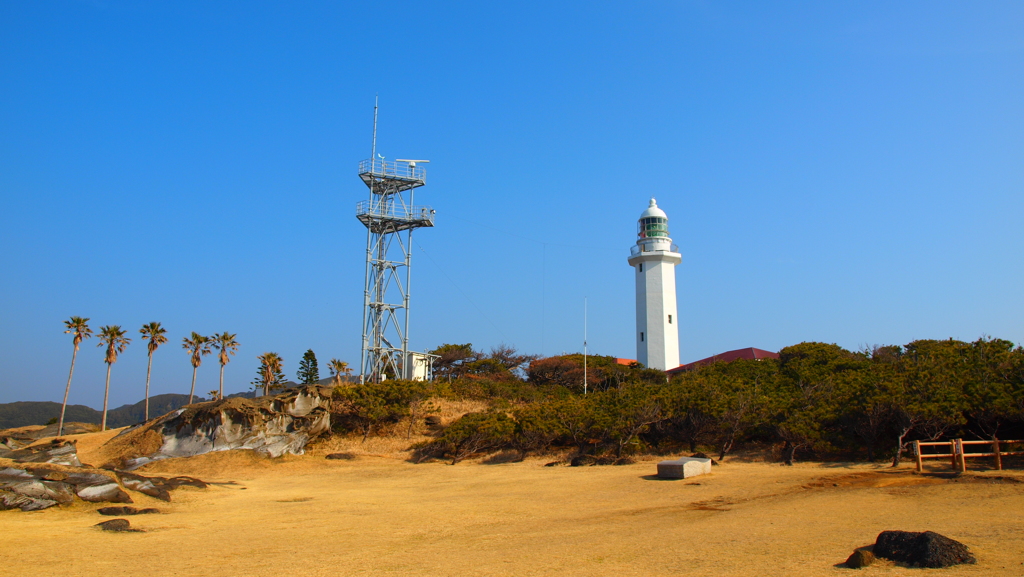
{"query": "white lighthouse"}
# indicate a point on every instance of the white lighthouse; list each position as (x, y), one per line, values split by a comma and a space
(654, 260)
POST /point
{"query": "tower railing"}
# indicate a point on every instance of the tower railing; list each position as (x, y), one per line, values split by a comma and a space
(392, 169)
(396, 212)
(635, 250)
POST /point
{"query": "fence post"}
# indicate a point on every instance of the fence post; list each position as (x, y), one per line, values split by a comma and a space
(995, 449)
(917, 455)
(952, 454)
(960, 452)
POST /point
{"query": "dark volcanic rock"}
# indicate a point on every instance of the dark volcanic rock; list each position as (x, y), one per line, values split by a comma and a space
(341, 456)
(115, 511)
(860, 558)
(126, 510)
(121, 525)
(925, 549)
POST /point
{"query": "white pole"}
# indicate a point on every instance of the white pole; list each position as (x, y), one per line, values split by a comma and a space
(584, 345)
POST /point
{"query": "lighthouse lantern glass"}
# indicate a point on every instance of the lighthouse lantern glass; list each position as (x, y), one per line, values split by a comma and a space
(653, 227)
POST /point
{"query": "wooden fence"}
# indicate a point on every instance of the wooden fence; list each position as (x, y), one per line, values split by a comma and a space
(958, 456)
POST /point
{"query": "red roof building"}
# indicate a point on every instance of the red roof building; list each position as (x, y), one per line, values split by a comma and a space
(749, 353)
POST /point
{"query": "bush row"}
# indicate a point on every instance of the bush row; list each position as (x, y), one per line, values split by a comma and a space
(816, 400)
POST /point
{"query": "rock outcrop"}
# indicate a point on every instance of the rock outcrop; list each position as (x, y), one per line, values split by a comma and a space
(32, 489)
(275, 425)
(57, 451)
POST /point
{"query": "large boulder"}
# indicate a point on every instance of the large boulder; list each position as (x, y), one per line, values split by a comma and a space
(925, 549)
(274, 426)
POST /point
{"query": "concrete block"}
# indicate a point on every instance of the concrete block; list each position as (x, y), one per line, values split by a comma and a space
(684, 468)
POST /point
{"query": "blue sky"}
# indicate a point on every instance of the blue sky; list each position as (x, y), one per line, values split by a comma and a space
(840, 172)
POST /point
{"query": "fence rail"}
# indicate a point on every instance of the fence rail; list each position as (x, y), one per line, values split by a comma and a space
(958, 456)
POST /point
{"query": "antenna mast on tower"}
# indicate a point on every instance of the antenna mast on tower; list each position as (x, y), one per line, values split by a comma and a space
(390, 217)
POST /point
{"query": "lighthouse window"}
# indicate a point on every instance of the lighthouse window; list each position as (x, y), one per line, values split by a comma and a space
(641, 337)
(641, 267)
(653, 227)
(669, 319)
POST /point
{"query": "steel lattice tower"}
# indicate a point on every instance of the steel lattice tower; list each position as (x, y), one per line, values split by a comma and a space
(390, 217)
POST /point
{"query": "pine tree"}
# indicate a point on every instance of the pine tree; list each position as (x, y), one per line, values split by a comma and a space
(309, 373)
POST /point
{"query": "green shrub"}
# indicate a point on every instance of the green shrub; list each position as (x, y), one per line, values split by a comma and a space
(473, 434)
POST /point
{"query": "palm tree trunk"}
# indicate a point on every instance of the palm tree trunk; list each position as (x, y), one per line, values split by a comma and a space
(192, 391)
(64, 405)
(220, 391)
(106, 393)
(149, 369)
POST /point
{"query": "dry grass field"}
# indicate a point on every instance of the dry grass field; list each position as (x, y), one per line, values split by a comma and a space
(377, 514)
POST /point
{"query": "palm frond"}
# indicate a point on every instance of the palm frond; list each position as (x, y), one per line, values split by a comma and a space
(226, 344)
(113, 337)
(198, 347)
(154, 333)
(80, 327)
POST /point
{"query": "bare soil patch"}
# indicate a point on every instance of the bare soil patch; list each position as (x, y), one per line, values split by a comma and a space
(381, 515)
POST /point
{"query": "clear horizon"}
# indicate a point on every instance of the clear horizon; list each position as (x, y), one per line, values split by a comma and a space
(842, 173)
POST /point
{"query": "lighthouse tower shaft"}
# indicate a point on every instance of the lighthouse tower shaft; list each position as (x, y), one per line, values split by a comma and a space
(654, 259)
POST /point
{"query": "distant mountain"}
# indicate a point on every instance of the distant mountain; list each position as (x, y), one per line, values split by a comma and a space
(22, 414)
(25, 413)
(158, 405)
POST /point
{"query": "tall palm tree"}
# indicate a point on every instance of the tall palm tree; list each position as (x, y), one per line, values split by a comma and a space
(198, 346)
(113, 336)
(227, 345)
(79, 326)
(154, 333)
(337, 368)
(270, 371)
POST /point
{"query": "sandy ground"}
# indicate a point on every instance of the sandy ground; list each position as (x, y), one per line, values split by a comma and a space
(381, 516)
